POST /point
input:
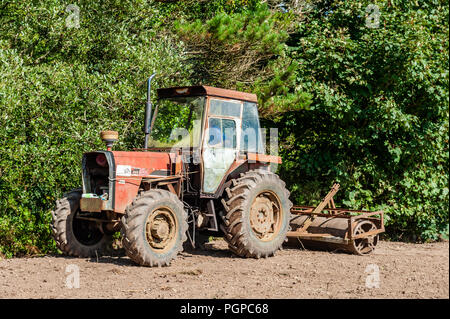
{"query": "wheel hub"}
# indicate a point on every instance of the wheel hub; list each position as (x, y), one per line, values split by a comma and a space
(261, 215)
(161, 229)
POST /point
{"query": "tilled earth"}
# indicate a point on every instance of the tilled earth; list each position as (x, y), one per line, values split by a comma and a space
(404, 271)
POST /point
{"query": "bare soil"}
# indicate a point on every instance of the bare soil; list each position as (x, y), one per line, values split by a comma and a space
(405, 271)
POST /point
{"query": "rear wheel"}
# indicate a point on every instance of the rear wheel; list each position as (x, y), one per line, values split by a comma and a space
(154, 228)
(257, 217)
(73, 236)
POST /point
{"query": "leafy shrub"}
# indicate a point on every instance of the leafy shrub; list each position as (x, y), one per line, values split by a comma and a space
(367, 107)
(378, 121)
(60, 87)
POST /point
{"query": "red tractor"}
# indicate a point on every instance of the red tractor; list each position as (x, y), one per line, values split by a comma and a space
(202, 171)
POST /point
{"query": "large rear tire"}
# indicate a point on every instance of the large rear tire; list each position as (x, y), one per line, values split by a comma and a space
(257, 208)
(76, 237)
(154, 228)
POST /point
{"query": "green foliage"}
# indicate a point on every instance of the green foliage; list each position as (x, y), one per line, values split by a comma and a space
(378, 122)
(177, 122)
(246, 50)
(60, 87)
(232, 47)
(367, 107)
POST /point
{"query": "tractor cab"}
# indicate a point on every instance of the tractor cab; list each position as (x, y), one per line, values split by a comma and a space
(212, 127)
(197, 139)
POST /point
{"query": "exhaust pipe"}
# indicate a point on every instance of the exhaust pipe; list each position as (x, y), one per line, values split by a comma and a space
(148, 111)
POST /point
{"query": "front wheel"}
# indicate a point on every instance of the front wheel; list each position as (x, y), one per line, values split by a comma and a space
(154, 228)
(257, 214)
(74, 236)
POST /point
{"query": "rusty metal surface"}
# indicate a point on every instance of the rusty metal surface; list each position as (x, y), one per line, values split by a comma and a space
(176, 162)
(132, 167)
(353, 230)
(336, 210)
(205, 90)
(161, 229)
(261, 215)
(255, 157)
(93, 205)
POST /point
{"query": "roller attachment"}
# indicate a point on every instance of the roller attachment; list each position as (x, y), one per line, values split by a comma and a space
(332, 228)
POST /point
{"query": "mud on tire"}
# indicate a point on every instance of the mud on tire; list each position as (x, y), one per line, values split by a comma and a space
(154, 228)
(248, 228)
(75, 237)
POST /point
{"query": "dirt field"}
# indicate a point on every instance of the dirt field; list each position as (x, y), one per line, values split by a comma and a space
(405, 271)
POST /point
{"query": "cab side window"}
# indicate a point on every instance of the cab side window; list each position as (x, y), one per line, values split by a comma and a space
(251, 132)
(222, 133)
(223, 116)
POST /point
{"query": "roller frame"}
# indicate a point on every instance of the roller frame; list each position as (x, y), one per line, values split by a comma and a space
(352, 215)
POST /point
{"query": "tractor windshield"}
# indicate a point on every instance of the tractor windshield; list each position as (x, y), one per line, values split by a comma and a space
(177, 122)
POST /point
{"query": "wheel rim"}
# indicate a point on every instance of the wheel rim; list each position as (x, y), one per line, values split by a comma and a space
(266, 216)
(86, 232)
(161, 229)
(367, 244)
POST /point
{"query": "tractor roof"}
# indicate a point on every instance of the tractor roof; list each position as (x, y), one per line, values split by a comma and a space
(205, 90)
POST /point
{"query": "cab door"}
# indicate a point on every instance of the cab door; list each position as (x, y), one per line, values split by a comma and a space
(221, 142)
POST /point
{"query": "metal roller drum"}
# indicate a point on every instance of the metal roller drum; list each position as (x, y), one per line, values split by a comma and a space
(337, 228)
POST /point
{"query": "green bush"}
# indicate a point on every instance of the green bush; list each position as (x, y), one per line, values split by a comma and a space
(358, 98)
(60, 87)
(378, 122)
(367, 107)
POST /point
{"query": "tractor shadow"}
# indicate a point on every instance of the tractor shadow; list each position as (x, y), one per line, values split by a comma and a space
(187, 253)
(208, 250)
(118, 257)
(123, 261)
(212, 249)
